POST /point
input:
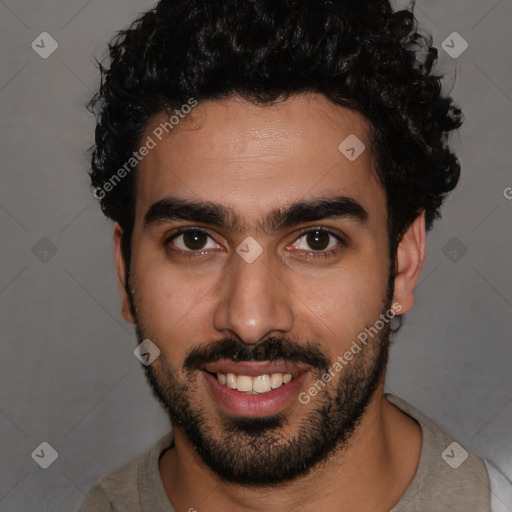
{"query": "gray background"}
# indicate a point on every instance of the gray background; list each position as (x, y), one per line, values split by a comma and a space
(67, 371)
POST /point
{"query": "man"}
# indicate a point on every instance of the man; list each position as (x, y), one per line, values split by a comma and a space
(272, 168)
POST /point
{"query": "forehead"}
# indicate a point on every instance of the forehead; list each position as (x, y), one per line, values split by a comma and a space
(255, 158)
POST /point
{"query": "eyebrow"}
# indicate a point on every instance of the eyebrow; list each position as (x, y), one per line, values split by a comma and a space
(337, 207)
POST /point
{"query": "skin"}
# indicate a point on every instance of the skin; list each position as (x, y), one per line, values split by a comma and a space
(256, 159)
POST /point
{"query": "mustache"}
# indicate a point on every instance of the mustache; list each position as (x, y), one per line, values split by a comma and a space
(271, 349)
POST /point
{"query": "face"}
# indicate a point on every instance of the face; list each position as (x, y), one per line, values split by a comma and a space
(259, 257)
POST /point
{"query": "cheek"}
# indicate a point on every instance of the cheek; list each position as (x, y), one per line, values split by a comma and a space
(176, 302)
(344, 301)
(171, 305)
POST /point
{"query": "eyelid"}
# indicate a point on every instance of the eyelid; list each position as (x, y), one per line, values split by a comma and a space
(182, 231)
(323, 229)
(301, 233)
(314, 229)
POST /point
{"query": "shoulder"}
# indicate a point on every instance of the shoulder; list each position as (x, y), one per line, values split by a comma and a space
(116, 489)
(119, 490)
(449, 476)
(96, 501)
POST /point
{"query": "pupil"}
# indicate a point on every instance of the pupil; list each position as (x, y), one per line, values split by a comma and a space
(315, 240)
(194, 240)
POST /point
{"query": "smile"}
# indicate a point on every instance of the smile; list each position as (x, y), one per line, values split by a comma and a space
(259, 384)
(254, 388)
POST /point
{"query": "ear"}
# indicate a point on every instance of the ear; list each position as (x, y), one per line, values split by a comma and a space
(409, 262)
(121, 274)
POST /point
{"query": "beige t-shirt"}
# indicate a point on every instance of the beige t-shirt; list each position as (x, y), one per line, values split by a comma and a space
(445, 480)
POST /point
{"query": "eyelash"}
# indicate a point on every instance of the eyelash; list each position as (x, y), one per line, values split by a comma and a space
(306, 231)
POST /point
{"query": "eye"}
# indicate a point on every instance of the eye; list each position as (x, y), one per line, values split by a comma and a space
(189, 240)
(319, 241)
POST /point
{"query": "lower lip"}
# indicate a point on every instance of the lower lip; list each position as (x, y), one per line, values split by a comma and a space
(255, 405)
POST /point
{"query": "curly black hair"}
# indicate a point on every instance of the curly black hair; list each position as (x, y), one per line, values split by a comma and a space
(361, 54)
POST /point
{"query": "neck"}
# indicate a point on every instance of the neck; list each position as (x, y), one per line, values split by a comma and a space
(369, 474)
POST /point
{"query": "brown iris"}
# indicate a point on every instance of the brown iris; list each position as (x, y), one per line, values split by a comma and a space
(194, 240)
(317, 240)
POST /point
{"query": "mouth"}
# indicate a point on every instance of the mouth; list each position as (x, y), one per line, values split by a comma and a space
(254, 389)
(252, 385)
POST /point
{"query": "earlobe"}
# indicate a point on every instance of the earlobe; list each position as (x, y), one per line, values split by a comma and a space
(121, 274)
(409, 262)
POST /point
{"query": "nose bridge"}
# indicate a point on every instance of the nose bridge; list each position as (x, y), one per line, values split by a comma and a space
(253, 301)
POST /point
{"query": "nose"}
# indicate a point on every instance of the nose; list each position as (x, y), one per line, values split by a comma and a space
(254, 302)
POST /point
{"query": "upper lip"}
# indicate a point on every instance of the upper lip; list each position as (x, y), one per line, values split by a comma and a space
(255, 368)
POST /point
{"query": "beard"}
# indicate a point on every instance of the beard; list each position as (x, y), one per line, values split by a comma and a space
(255, 452)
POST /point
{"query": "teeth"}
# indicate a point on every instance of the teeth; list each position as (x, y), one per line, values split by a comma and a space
(244, 383)
(260, 384)
(276, 380)
(231, 380)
